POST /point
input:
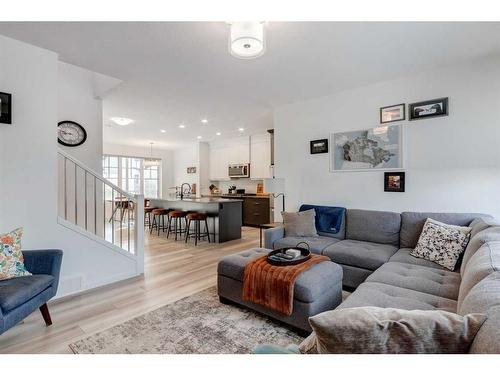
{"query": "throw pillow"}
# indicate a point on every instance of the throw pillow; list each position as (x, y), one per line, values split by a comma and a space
(441, 243)
(11, 257)
(376, 330)
(300, 224)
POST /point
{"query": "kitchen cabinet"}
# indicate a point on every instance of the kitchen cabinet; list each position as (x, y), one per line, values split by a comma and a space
(225, 152)
(256, 211)
(260, 156)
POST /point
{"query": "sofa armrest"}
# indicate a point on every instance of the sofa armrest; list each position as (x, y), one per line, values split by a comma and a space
(271, 235)
(46, 262)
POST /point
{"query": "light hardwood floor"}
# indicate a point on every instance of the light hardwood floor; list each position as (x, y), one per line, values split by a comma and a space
(173, 270)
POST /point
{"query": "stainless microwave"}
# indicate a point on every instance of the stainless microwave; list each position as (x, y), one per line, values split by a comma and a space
(239, 170)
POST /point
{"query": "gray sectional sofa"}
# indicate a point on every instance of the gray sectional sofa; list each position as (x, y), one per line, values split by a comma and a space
(376, 261)
(369, 240)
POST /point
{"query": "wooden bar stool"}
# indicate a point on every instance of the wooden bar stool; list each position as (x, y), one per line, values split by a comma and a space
(158, 219)
(178, 217)
(147, 216)
(197, 217)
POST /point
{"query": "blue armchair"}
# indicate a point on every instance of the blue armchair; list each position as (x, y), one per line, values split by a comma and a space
(20, 296)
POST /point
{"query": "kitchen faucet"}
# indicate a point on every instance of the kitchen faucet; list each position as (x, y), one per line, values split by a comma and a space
(182, 189)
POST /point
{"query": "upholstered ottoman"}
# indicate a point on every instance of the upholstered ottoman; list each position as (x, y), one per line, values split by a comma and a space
(317, 289)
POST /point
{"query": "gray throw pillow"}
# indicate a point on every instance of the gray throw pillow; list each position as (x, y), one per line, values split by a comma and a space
(300, 224)
(375, 330)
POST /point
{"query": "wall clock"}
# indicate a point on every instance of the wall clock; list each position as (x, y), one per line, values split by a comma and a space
(71, 134)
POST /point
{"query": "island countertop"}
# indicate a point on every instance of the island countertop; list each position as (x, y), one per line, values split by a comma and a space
(199, 200)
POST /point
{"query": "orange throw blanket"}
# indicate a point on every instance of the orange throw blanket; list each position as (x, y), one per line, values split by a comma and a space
(272, 286)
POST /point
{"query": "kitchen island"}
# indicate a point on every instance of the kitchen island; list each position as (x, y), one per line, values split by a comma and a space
(225, 214)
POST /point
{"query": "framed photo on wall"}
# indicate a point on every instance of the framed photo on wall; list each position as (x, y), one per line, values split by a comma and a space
(428, 109)
(392, 113)
(367, 150)
(319, 146)
(394, 182)
(5, 108)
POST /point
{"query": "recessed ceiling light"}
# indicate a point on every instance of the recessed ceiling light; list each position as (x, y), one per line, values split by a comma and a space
(218, 133)
(241, 129)
(182, 126)
(122, 121)
(163, 130)
(199, 137)
(204, 121)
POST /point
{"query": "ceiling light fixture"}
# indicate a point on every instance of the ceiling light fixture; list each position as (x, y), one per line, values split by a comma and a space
(163, 131)
(151, 162)
(241, 129)
(199, 137)
(246, 40)
(122, 121)
(218, 133)
(182, 126)
(204, 121)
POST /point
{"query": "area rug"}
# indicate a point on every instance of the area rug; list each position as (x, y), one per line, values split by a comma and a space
(198, 324)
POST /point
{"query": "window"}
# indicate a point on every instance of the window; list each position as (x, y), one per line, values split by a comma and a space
(132, 175)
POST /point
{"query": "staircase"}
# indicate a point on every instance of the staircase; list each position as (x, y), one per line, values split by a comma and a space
(94, 207)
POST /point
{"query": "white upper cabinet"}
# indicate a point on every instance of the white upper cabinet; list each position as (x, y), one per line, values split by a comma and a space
(260, 156)
(255, 150)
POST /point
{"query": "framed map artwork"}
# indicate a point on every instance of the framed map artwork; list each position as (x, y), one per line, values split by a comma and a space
(367, 150)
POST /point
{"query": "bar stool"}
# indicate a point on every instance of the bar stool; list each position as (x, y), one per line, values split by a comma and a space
(177, 216)
(197, 217)
(147, 216)
(158, 219)
(214, 216)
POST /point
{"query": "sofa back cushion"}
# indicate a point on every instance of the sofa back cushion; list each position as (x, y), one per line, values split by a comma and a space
(330, 221)
(483, 263)
(373, 226)
(484, 298)
(412, 224)
(475, 243)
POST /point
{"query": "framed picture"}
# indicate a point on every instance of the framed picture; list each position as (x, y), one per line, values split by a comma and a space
(5, 108)
(191, 170)
(392, 113)
(428, 108)
(367, 150)
(319, 146)
(394, 182)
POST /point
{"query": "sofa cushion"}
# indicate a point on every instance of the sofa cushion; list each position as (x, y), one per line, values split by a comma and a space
(478, 240)
(301, 224)
(309, 286)
(482, 223)
(373, 226)
(441, 243)
(433, 281)
(316, 244)
(403, 256)
(361, 254)
(413, 222)
(483, 263)
(375, 330)
(17, 291)
(383, 295)
(484, 298)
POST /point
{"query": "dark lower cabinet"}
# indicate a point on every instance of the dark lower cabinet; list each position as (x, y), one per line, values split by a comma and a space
(256, 211)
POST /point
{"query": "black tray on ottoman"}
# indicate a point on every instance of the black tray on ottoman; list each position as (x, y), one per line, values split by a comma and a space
(305, 255)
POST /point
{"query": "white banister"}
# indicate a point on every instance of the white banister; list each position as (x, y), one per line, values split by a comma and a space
(100, 208)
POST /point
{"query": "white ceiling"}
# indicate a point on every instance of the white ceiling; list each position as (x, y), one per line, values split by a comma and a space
(181, 72)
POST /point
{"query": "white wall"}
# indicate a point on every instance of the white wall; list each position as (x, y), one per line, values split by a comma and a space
(28, 197)
(76, 102)
(184, 158)
(166, 156)
(452, 163)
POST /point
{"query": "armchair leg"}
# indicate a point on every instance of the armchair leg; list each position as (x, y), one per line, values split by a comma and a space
(44, 309)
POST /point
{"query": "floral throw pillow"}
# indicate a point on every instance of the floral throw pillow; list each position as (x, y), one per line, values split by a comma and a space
(11, 257)
(441, 243)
